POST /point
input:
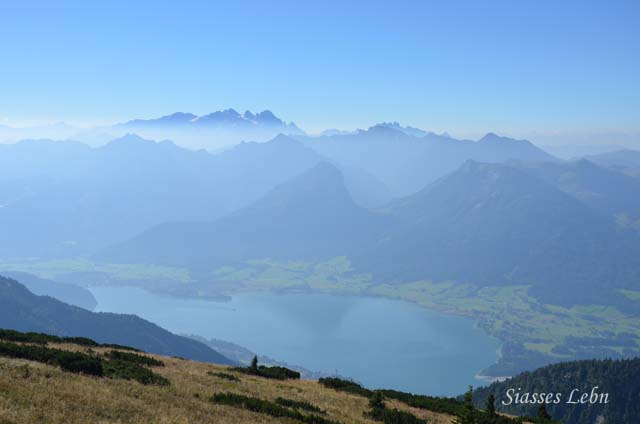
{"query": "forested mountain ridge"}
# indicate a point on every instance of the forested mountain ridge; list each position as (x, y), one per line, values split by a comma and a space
(510, 228)
(67, 293)
(568, 382)
(23, 311)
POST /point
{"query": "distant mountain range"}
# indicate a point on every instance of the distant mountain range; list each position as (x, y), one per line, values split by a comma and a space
(412, 131)
(406, 163)
(211, 131)
(24, 311)
(228, 117)
(486, 224)
(224, 128)
(219, 129)
(66, 198)
(402, 207)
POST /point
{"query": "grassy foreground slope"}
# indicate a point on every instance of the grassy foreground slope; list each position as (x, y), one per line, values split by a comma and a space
(36, 392)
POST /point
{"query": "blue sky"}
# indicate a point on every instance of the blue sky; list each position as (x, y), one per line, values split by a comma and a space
(464, 67)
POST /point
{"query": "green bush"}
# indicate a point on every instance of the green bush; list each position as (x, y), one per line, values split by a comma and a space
(80, 364)
(132, 371)
(41, 338)
(266, 407)
(119, 346)
(224, 375)
(83, 363)
(134, 358)
(299, 404)
(379, 412)
(393, 416)
(276, 373)
(76, 362)
(16, 336)
(449, 406)
(345, 386)
(436, 404)
(80, 341)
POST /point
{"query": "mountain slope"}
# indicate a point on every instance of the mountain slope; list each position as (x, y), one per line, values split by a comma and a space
(602, 189)
(23, 311)
(493, 224)
(37, 392)
(309, 217)
(493, 148)
(67, 293)
(248, 171)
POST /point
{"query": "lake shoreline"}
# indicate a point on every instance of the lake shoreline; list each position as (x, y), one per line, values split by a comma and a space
(331, 334)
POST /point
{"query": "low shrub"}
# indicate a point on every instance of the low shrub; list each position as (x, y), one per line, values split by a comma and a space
(119, 346)
(41, 338)
(345, 386)
(276, 373)
(83, 363)
(393, 416)
(436, 404)
(224, 375)
(299, 404)
(17, 336)
(379, 412)
(80, 341)
(266, 407)
(134, 358)
(132, 371)
(80, 364)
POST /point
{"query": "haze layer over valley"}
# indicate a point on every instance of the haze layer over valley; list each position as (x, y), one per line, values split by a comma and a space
(541, 252)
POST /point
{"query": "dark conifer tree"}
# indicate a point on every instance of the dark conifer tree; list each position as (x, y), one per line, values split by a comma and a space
(376, 401)
(490, 405)
(467, 414)
(542, 412)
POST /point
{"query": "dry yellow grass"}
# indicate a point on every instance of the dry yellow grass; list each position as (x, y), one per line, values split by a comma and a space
(31, 392)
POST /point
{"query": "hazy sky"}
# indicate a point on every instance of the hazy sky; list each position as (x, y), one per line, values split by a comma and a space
(509, 66)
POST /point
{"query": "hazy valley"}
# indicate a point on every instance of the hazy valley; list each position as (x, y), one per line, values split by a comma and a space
(529, 258)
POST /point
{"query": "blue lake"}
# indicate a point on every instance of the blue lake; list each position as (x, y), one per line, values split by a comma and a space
(378, 342)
